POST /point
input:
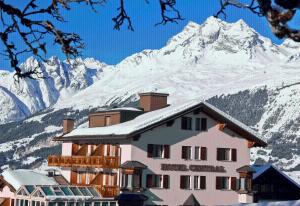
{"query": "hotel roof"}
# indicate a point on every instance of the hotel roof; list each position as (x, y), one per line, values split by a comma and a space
(159, 117)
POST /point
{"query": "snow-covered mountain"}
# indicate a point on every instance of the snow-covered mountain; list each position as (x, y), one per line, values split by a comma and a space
(237, 69)
(20, 100)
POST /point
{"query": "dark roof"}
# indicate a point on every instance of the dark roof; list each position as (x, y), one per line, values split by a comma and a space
(133, 165)
(191, 201)
(261, 169)
(246, 168)
(4, 183)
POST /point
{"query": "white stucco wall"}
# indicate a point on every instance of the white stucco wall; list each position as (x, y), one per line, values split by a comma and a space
(176, 138)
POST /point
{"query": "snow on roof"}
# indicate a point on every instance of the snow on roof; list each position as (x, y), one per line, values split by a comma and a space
(151, 118)
(125, 108)
(128, 127)
(17, 178)
(260, 169)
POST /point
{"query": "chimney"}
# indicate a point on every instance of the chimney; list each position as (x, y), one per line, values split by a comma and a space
(68, 125)
(151, 101)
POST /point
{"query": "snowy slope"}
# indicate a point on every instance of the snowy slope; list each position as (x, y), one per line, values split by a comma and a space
(30, 96)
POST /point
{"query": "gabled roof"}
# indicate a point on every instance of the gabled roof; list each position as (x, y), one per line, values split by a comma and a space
(191, 201)
(261, 169)
(133, 165)
(17, 178)
(159, 117)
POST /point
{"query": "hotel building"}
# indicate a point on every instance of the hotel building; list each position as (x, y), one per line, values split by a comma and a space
(185, 154)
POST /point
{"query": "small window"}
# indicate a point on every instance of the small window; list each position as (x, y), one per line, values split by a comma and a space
(84, 191)
(185, 182)
(197, 153)
(104, 203)
(203, 124)
(223, 154)
(222, 183)
(93, 191)
(57, 191)
(30, 188)
(97, 204)
(199, 182)
(54, 204)
(198, 124)
(71, 203)
(157, 181)
(158, 151)
(186, 123)
(61, 204)
(196, 182)
(75, 191)
(186, 152)
(47, 191)
(66, 191)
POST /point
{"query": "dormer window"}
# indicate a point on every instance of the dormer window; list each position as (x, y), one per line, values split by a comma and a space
(201, 124)
(186, 123)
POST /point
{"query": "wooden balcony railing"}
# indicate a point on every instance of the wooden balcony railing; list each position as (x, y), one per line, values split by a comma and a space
(108, 191)
(84, 161)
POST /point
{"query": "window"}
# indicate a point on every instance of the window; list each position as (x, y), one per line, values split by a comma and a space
(186, 123)
(186, 152)
(226, 154)
(222, 183)
(158, 151)
(185, 182)
(47, 191)
(157, 181)
(200, 153)
(199, 182)
(201, 124)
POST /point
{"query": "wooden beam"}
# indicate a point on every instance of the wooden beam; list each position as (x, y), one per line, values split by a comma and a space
(251, 144)
(221, 126)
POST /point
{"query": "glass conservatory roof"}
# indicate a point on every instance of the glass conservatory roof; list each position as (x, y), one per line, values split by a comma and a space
(63, 191)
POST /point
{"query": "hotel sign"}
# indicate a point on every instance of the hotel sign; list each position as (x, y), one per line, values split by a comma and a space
(193, 168)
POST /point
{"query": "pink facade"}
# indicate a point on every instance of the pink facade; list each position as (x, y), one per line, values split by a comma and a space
(176, 138)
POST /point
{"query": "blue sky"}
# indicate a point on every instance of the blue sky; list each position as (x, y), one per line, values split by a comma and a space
(111, 46)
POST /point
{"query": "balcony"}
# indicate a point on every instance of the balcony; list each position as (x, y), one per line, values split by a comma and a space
(84, 161)
(108, 191)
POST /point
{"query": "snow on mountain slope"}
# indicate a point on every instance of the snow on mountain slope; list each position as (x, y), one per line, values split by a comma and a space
(30, 96)
(203, 60)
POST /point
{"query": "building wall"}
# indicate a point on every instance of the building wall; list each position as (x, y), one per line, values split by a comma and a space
(6, 193)
(176, 138)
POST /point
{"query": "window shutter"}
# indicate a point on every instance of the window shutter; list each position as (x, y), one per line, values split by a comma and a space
(149, 181)
(233, 183)
(233, 155)
(107, 150)
(202, 182)
(167, 151)
(182, 182)
(166, 181)
(150, 150)
(218, 154)
(184, 153)
(203, 153)
(117, 150)
(218, 183)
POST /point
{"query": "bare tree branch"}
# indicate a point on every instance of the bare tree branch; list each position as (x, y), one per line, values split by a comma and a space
(278, 14)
